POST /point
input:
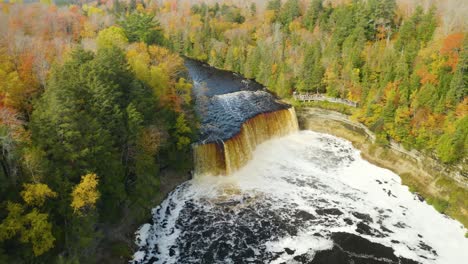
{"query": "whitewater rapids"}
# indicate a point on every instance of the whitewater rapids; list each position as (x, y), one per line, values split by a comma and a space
(303, 198)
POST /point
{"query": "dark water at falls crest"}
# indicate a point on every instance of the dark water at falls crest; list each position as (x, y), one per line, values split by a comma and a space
(224, 157)
(237, 115)
(291, 196)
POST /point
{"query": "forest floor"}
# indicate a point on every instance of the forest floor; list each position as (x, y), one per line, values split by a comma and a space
(423, 175)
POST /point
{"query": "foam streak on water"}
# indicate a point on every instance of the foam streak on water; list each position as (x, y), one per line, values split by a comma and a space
(300, 196)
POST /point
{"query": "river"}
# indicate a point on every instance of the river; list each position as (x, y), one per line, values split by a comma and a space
(305, 197)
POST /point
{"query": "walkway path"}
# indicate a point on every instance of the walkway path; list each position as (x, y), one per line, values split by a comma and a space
(308, 97)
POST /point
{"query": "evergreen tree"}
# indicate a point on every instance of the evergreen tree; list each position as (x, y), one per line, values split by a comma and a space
(253, 9)
(289, 11)
(274, 5)
(458, 89)
(142, 27)
(312, 14)
(82, 124)
(313, 69)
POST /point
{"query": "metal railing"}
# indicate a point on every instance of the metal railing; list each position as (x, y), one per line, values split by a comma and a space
(308, 97)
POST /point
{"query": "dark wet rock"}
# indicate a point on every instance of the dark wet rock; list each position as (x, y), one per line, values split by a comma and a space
(383, 228)
(329, 211)
(365, 217)
(237, 232)
(359, 245)
(207, 233)
(304, 258)
(238, 229)
(426, 247)
(350, 248)
(331, 256)
(363, 228)
(381, 218)
(153, 260)
(171, 252)
(348, 221)
(407, 261)
(231, 234)
(223, 251)
(168, 211)
(400, 225)
(304, 215)
(375, 254)
(419, 197)
(208, 258)
(265, 223)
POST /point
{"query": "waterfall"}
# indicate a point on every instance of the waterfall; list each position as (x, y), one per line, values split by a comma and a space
(226, 157)
(302, 197)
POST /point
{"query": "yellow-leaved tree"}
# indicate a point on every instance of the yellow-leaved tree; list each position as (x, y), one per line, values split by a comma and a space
(36, 194)
(85, 194)
(38, 232)
(32, 227)
(112, 36)
(13, 223)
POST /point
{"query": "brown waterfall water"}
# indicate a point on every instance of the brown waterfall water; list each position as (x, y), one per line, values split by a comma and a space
(300, 197)
(225, 157)
(236, 115)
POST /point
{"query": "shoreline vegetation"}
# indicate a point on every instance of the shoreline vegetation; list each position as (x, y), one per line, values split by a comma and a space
(440, 185)
(96, 121)
(96, 113)
(404, 69)
(444, 186)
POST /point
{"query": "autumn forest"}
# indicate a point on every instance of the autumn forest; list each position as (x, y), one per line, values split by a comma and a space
(96, 103)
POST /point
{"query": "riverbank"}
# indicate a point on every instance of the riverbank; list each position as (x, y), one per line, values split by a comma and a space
(443, 186)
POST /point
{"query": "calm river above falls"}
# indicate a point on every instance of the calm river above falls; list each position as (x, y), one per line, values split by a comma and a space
(305, 197)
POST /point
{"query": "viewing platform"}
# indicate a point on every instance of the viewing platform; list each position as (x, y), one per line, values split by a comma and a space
(309, 97)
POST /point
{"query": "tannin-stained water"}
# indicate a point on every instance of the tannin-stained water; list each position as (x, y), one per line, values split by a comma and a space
(236, 115)
(224, 157)
(303, 198)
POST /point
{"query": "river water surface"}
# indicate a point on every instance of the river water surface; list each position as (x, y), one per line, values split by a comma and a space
(304, 198)
(225, 100)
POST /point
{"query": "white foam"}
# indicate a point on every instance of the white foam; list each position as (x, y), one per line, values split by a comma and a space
(301, 244)
(308, 166)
